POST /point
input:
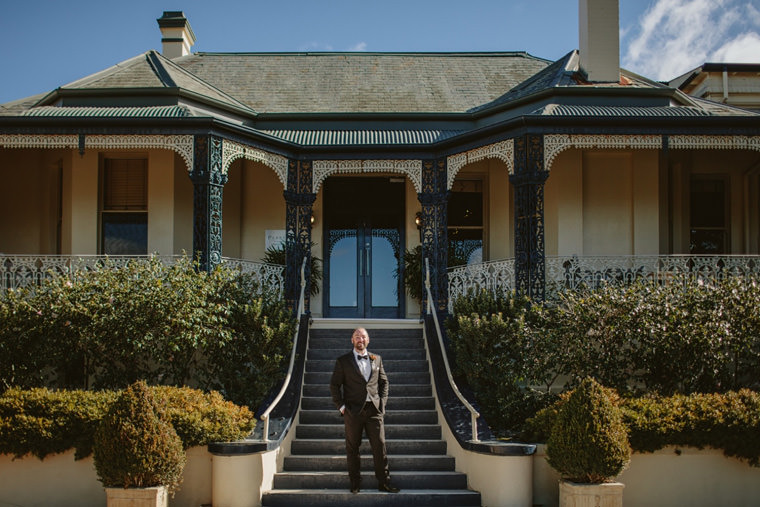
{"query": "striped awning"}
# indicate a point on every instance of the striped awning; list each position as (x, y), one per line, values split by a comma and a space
(361, 137)
(620, 111)
(110, 112)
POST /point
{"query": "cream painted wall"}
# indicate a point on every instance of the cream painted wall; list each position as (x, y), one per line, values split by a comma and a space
(231, 214)
(183, 208)
(30, 205)
(318, 250)
(499, 221)
(607, 203)
(79, 229)
(262, 207)
(161, 202)
(603, 203)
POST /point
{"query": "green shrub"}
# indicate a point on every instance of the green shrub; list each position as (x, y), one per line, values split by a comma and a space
(163, 324)
(492, 346)
(42, 422)
(728, 421)
(136, 445)
(588, 441)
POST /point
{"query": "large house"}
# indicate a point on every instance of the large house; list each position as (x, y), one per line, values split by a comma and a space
(560, 171)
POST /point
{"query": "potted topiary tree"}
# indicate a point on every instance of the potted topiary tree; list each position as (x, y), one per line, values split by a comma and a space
(138, 456)
(588, 446)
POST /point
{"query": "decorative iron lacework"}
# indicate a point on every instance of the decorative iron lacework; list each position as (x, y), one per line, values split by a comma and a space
(232, 151)
(563, 273)
(496, 277)
(411, 168)
(715, 142)
(39, 141)
(554, 144)
(182, 144)
(573, 272)
(503, 151)
(18, 271)
(335, 235)
(392, 236)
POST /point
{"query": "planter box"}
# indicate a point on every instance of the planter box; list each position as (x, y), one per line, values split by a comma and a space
(573, 494)
(137, 497)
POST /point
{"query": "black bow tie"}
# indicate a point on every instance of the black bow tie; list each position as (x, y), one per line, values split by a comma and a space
(363, 357)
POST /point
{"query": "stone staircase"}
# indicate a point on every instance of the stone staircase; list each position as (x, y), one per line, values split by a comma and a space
(315, 471)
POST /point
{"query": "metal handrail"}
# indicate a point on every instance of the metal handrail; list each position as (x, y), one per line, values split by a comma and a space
(431, 310)
(301, 309)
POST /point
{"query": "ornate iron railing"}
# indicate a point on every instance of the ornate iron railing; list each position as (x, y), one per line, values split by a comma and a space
(573, 272)
(18, 271)
(493, 276)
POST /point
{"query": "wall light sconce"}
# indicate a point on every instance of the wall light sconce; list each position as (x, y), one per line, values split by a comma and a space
(312, 220)
(418, 219)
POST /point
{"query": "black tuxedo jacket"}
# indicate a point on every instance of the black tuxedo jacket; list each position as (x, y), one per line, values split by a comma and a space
(348, 387)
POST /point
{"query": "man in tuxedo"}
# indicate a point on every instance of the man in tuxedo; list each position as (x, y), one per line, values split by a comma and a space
(359, 389)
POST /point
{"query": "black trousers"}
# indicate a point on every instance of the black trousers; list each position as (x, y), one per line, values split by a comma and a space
(371, 421)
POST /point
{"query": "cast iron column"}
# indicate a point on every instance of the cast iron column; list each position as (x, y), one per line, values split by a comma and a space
(434, 199)
(299, 199)
(528, 181)
(208, 189)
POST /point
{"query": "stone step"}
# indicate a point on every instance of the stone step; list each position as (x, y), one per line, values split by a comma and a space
(400, 390)
(317, 336)
(387, 354)
(392, 417)
(394, 403)
(369, 498)
(397, 365)
(338, 446)
(403, 480)
(397, 462)
(394, 377)
(392, 431)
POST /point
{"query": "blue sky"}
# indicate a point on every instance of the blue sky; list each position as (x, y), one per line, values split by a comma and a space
(45, 44)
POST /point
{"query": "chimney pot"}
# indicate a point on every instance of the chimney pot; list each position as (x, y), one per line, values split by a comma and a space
(176, 35)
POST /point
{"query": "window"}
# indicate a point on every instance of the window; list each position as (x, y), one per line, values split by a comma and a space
(465, 227)
(124, 207)
(709, 224)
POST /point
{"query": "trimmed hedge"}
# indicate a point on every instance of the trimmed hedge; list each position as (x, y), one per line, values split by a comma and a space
(165, 324)
(728, 421)
(680, 338)
(42, 422)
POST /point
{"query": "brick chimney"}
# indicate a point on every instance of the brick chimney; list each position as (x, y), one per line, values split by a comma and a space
(599, 40)
(176, 35)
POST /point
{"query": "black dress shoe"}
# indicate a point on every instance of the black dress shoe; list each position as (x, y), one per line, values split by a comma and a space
(386, 486)
(355, 487)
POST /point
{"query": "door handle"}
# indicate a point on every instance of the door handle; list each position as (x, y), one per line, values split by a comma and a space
(366, 257)
(361, 263)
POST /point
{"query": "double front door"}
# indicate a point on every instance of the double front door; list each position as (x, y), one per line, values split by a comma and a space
(364, 225)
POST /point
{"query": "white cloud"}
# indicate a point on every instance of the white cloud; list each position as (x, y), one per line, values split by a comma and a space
(674, 36)
(745, 48)
(361, 46)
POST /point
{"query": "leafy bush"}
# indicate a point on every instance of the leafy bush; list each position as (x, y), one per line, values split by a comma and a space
(588, 441)
(136, 445)
(728, 421)
(164, 324)
(42, 422)
(492, 346)
(410, 271)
